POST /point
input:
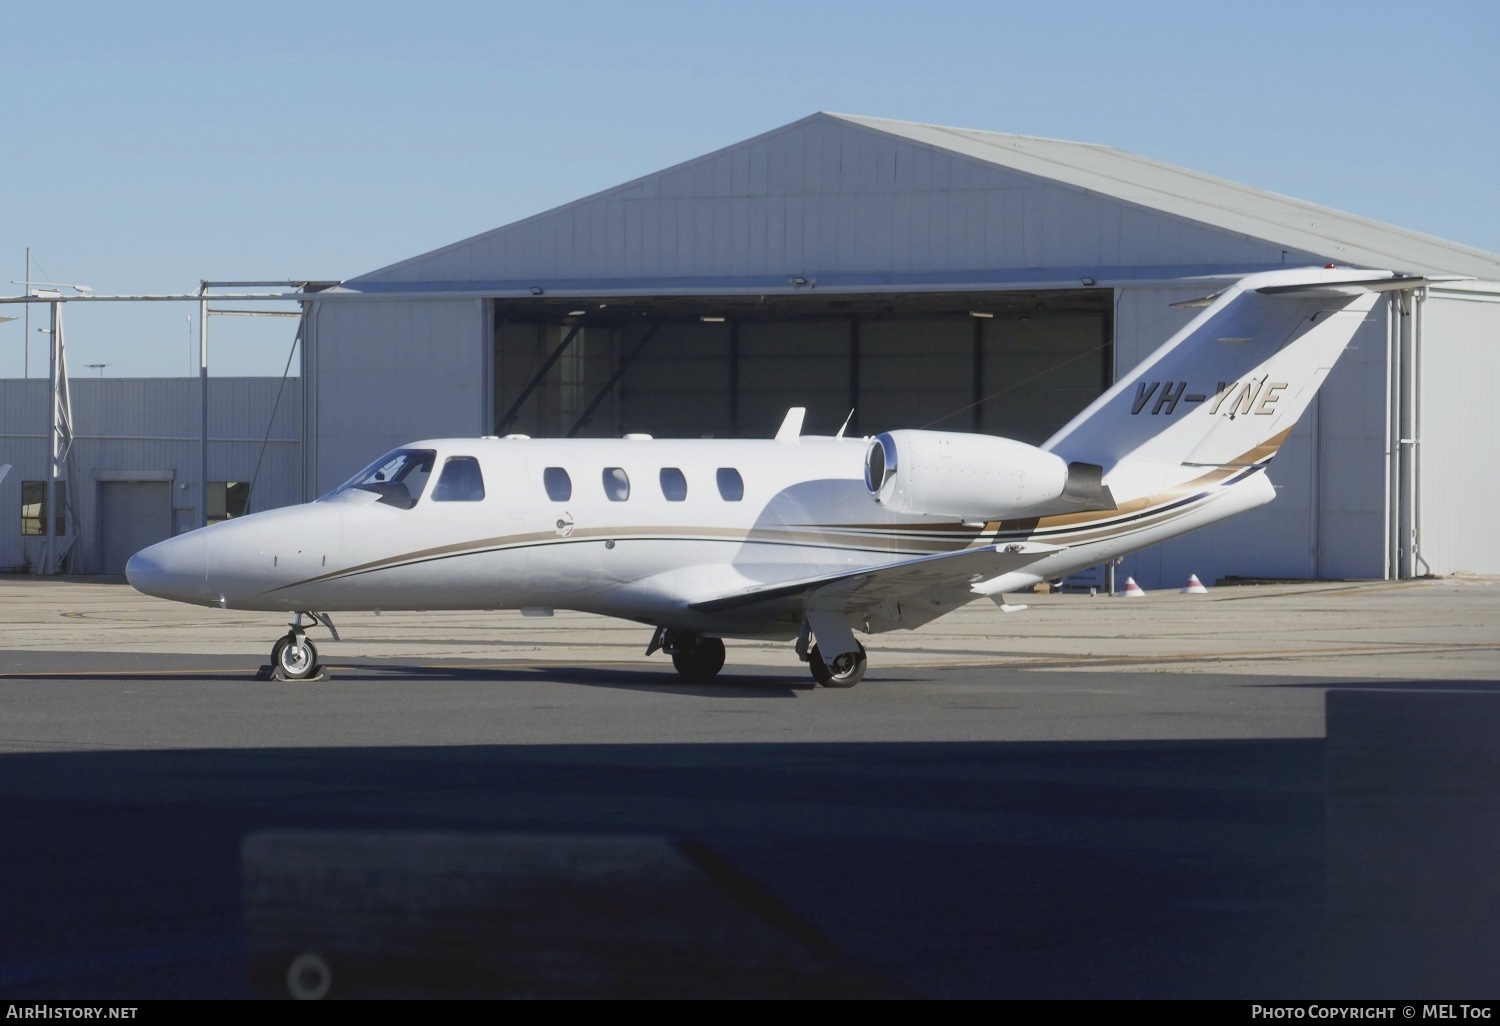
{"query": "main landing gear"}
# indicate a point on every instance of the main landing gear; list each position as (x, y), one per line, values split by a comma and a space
(294, 657)
(844, 671)
(698, 659)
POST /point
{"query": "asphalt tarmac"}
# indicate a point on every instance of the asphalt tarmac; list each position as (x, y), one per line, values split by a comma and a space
(1092, 798)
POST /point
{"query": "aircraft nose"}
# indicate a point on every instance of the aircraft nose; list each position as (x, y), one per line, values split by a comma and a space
(174, 569)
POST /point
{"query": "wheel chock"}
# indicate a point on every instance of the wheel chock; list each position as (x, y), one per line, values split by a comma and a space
(268, 672)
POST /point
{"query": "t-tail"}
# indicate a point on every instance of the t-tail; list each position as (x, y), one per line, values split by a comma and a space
(1220, 397)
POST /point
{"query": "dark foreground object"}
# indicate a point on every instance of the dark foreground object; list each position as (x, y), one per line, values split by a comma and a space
(1413, 824)
(370, 914)
(1162, 836)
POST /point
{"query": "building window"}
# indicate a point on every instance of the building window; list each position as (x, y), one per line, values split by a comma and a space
(558, 484)
(731, 485)
(34, 508)
(460, 481)
(616, 484)
(673, 484)
(227, 499)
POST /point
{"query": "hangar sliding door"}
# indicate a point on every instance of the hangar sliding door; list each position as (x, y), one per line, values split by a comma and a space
(133, 515)
(680, 383)
(792, 363)
(1038, 373)
(915, 372)
(1022, 369)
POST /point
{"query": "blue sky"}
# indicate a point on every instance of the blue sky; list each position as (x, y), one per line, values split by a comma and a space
(149, 145)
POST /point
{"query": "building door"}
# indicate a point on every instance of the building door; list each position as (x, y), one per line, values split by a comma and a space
(133, 515)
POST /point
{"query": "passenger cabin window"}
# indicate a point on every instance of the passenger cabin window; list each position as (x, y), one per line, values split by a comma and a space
(673, 484)
(616, 484)
(460, 481)
(558, 484)
(397, 477)
(731, 485)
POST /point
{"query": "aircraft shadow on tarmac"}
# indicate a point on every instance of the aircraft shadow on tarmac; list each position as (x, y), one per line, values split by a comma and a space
(756, 683)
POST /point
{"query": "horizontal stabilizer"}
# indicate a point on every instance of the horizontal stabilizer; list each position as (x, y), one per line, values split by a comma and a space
(1385, 283)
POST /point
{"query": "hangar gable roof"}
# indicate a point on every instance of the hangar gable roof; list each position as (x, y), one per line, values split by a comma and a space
(1344, 238)
(870, 203)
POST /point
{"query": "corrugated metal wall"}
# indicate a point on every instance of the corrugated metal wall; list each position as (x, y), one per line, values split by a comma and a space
(386, 373)
(1345, 430)
(147, 429)
(1459, 445)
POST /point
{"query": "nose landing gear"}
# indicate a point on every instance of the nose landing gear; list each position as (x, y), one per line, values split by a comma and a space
(293, 657)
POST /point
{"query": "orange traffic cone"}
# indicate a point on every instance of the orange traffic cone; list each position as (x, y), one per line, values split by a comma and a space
(1133, 590)
(1194, 586)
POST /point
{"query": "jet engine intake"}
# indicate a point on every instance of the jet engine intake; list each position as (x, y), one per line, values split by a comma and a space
(974, 477)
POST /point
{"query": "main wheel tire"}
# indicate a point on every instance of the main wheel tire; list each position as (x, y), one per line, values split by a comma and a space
(699, 659)
(847, 670)
(295, 659)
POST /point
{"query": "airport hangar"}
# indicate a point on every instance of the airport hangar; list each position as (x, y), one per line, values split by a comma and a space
(895, 274)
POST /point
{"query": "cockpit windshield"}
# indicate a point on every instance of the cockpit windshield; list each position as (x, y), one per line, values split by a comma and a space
(397, 477)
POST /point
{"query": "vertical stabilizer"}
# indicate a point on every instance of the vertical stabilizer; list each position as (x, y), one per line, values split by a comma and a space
(1226, 390)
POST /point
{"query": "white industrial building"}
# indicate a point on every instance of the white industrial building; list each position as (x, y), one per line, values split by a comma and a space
(891, 274)
(132, 472)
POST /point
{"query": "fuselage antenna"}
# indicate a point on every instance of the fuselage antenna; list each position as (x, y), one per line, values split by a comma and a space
(846, 425)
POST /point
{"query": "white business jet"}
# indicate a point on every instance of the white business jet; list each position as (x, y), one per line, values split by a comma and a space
(798, 537)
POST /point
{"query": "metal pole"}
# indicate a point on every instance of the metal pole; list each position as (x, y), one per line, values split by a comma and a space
(203, 411)
(26, 341)
(1418, 562)
(1388, 523)
(50, 517)
(1406, 439)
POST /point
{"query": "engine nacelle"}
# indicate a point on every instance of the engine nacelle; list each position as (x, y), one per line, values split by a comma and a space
(975, 477)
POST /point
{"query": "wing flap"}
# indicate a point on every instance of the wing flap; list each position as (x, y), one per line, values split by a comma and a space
(906, 593)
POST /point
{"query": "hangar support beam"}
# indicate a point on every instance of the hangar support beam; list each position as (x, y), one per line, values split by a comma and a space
(537, 378)
(614, 379)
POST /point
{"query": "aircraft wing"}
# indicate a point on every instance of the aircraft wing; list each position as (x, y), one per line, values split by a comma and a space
(905, 594)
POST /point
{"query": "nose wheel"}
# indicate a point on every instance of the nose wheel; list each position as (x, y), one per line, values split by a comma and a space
(294, 657)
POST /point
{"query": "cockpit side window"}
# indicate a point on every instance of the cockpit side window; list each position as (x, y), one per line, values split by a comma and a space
(558, 484)
(460, 481)
(398, 477)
